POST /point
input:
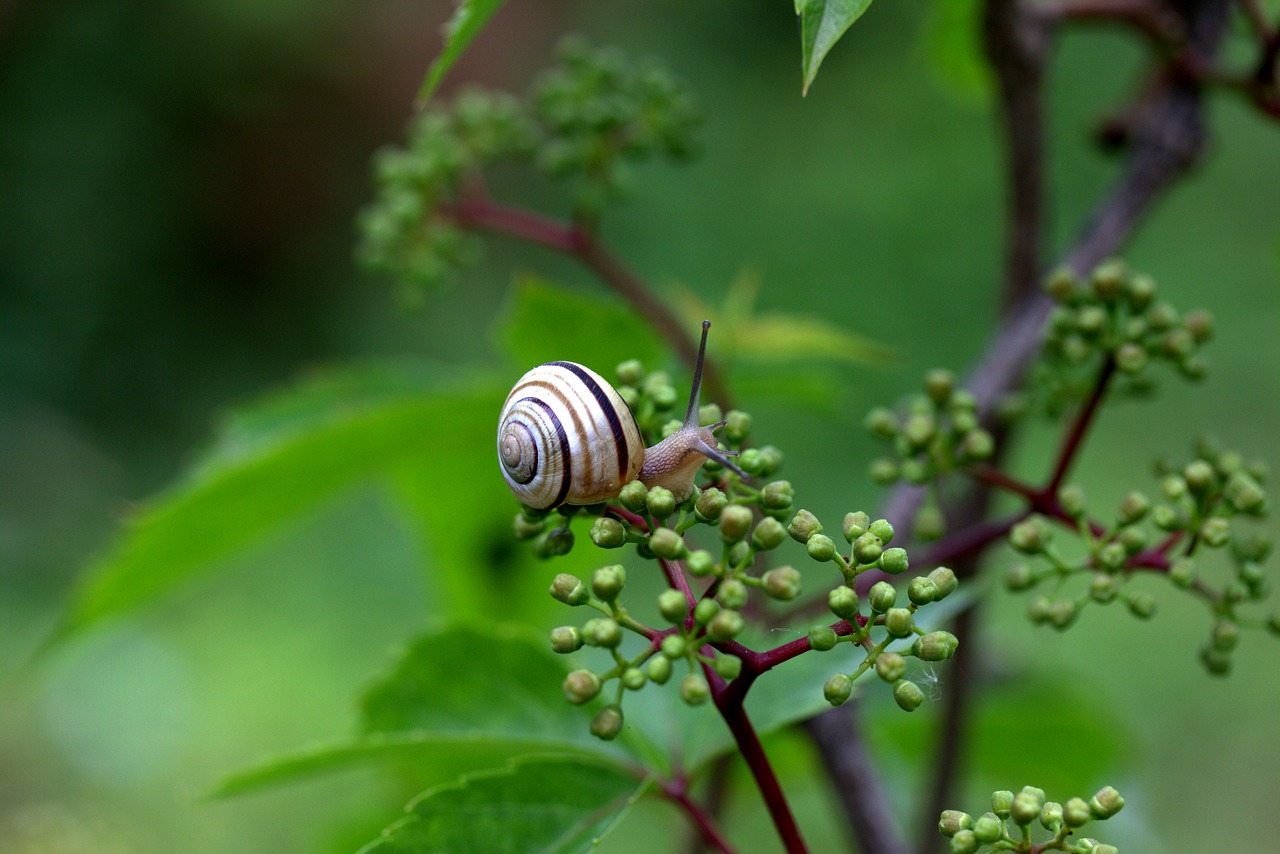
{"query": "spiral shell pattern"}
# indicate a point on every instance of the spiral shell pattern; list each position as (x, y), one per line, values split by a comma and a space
(566, 437)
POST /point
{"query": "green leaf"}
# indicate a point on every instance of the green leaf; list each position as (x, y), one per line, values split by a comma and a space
(280, 459)
(822, 23)
(951, 43)
(536, 804)
(468, 20)
(545, 322)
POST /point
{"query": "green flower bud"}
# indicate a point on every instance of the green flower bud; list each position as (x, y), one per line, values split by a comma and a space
(769, 534)
(1112, 556)
(898, 622)
(777, 495)
(881, 422)
(822, 638)
(630, 372)
(944, 582)
(1102, 588)
(1019, 577)
(987, 828)
(930, 522)
(1200, 324)
(1063, 613)
(630, 395)
(843, 602)
(907, 695)
(1131, 358)
(821, 547)
(1216, 661)
(1132, 539)
(1226, 635)
(867, 548)
(890, 666)
(527, 529)
(1199, 476)
(882, 596)
(1072, 500)
(882, 529)
(977, 444)
(727, 666)
(674, 646)
(664, 396)
(569, 589)
(725, 625)
(666, 543)
(739, 554)
(1141, 290)
(737, 426)
(964, 422)
(607, 582)
(608, 533)
(882, 471)
(673, 605)
(1142, 605)
(953, 821)
(632, 679)
(580, 686)
(1039, 609)
(554, 543)
(601, 631)
(566, 639)
(1108, 280)
(633, 496)
(1182, 572)
(1173, 486)
(1030, 536)
(659, 669)
(708, 414)
(750, 461)
(803, 526)
(607, 723)
(939, 384)
(1026, 807)
(1166, 518)
(1002, 802)
(894, 561)
(1245, 494)
(660, 502)
(700, 563)
(1091, 320)
(964, 842)
(914, 471)
(935, 646)
(1076, 813)
(1134, 506)
(1106, 803)
(694, 690)
(1273, 623)
(1216, 532)
(732, 593)
(783, 583)
(1103, 848)
(837, 689)
(921, 591)
(771, 460)
(709, 505)
(735, 522)
(705, 610)
(919, 429)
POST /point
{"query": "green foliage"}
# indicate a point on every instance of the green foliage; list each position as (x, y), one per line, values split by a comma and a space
(468, 20)
(822, 23)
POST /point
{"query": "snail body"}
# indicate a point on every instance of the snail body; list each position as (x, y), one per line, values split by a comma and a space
(566, 436)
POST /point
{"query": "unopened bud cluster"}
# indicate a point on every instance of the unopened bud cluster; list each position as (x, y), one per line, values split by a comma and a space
(1014, 819)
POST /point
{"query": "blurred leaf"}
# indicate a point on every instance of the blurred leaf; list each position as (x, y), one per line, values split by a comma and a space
(536, 804)
(468, 20)
(822, 23)
(300, 448)
(950, 42)
(546, 322)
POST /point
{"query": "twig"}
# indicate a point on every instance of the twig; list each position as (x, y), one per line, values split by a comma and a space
(704, 822)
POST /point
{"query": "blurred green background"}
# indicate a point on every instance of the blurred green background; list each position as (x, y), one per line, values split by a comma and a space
(178, 187)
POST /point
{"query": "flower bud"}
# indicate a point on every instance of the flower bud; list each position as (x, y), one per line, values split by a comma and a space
(709, 504)
(735, 522)
(1106, 803)
(608, 533)
(1051, 816)
(739, 554)
(822, 638)
(964, 842)
(987, 828)
(602, 631)
(953, 821)
(919, 429)
(732, 593)
(554, 543)
(1216, 532)
(1131, 358)
(944, 582)
(1030, 536)
(1134, 506)
(938, 384)
(660, 502)
(607, 723)
(1026, 808)
(1002, 802)
(914, 471)
(882, 596)
(737, 426)
(935, 646)
(1216, 661)
(898, 622)
(666, 543)
(1112, 556)
(921, 590)
(882, 529)
(977, 444)
(843, 602)
(1142, 605)
(837, 689)
(1102, 587)
(1076, 813)
(633, 496)
(1062, 613)
(882, 471)
(725, 625)
(1019, 577)
(705, 610)
(1182, 572)
(890, 666)
(777, 495)
(607, 582)
(580, 686)
(881, 422)
(1108, 280)
(1141, 290)
(769, 534)
(907, 695)
(566, 639)
(803, 526)
(632, 678)
(658, 669)
(694, 690)
(783, 584)
(770, 460)
(673, 646)
(894, 561)
(867, 548)
(569, 589)
(527, 529)
(630, 372)
(700, 563)
(821, 547)
(727, 666)
(1199, 476)
(750, 461)
(673, 605)
(1072, 500)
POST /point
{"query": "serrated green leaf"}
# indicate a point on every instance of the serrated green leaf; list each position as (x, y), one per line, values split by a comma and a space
(468, 20)
(822, 23)
(549, 804)
(305, 446)
(545, 321)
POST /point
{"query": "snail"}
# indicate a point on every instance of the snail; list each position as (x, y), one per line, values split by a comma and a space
(567, 437)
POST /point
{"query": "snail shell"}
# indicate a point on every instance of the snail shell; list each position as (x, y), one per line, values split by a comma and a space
(566, 437)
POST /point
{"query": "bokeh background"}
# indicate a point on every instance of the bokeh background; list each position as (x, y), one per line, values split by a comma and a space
(179, 181)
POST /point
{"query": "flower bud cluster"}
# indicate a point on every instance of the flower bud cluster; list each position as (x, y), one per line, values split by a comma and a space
(1013, 819)
(937, 432)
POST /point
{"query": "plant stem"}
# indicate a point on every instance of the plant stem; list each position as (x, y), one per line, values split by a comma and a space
(703, 822)
(1074, 437)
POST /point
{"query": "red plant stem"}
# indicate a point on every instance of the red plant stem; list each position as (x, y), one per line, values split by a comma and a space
(678, 791)
(1084, 418)
(477, 211)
